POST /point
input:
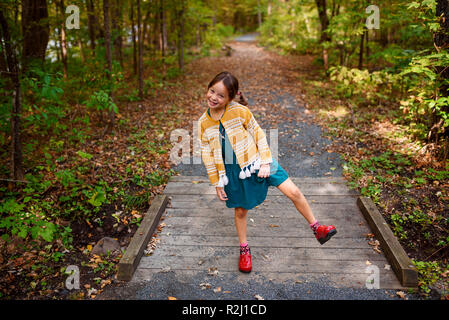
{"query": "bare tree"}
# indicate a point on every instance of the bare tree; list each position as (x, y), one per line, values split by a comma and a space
(139, 36)
(62, 37)
(13, 71)
(91, 23)
(441, 42)
(181, 31)
(324, 20)
(163, 29)
(133, 36)
(116, 16)
(107, 43)
(35, 29)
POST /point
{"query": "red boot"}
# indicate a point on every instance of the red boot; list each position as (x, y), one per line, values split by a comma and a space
(245, 261)
(324, 233)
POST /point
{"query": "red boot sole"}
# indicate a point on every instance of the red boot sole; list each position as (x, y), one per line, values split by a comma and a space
(328, 236)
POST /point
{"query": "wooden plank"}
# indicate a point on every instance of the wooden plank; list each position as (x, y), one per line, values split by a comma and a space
(320, 211)
(291, 263)
(306, 189)
(354, 280)
(275, 254)
(262, 241)
(225, 225)
(401, 263)
(128, 263)
(273, 201)
(204, 179)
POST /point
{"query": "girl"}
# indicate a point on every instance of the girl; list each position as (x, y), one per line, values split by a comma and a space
(241, 167)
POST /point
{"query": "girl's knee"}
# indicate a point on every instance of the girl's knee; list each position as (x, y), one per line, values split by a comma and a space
(240, 212)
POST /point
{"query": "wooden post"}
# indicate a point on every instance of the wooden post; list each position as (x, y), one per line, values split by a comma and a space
(398, 258)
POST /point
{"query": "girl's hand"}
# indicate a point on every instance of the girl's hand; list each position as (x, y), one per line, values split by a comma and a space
(221, 194)
(264, 171)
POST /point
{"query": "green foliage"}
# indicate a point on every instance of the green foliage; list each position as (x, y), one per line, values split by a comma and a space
(98, 197)
(424, 105)
(224, 31)
(41, 104)
(291, 27)
(362, 85)
(100, 101)
(23, 223)
(429, 272)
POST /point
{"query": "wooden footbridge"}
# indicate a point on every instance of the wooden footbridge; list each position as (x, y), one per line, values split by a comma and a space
(199, 235)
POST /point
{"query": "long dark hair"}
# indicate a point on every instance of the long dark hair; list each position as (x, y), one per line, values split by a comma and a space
(232, 85)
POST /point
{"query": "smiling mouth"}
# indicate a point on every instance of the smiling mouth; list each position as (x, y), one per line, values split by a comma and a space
(213, 103)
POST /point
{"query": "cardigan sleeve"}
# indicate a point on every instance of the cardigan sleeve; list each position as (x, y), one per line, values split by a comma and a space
(208, 157)
(258, 135)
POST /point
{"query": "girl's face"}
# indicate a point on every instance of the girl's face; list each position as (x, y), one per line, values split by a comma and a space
(217, 96)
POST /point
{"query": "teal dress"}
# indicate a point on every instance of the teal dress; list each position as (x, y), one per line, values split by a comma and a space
(251, 191)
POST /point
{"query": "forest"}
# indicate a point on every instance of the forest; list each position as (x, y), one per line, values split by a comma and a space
(91, 90)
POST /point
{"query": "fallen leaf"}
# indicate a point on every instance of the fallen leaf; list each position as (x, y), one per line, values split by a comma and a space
(172, 298)
(273, 226)
(216, 290)
(265, 257)
(377, 250)
(401, 294)
(205, 285)
(258, 297)
(105, 283)
(212, 271)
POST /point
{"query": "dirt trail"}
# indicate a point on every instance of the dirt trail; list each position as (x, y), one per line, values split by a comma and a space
(270, 82)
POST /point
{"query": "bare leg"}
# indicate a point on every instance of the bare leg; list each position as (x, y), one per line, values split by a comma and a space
(295, 195)
(240, 223)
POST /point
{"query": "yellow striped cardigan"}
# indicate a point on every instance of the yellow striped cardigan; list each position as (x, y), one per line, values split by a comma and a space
(247, 138)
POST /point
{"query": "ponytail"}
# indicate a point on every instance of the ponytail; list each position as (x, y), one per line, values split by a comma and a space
(242, 99)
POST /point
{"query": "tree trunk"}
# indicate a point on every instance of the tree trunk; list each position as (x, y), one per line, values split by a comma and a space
(139, 39)
(16, 171)
(146, 23)
(80, 46)
(117, 30)
(107, 43)
(133, 36)
(324, 20)
(362, 38)
(181, 37)
(163, 30)
(91, 23)
(259, 14)
(367, 46)
(35, 30)
(63, 38)
(441, 40)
